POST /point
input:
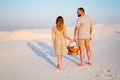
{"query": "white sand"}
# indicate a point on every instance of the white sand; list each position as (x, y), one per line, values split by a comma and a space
(28, 55)
(24, 35)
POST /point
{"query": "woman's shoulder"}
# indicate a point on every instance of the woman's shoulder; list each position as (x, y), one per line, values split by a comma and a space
(64, 27)
(53, 27)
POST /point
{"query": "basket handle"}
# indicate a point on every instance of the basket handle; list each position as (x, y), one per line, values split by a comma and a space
(72, 42)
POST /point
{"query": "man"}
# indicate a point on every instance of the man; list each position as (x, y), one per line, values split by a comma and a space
(83, 31)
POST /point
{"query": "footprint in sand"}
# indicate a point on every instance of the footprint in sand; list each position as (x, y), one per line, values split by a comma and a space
(105, 74)
(117, 77)
(92, 68)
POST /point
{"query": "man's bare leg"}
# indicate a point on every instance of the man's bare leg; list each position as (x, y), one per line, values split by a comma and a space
(89, 55)
(82, 56)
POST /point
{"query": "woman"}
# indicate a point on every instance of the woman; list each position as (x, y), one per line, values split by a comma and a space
(59, 37)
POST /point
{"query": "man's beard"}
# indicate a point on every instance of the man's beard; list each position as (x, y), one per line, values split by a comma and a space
(79, 15)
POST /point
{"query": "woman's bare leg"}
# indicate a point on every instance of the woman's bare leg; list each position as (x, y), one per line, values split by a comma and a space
(60, 62)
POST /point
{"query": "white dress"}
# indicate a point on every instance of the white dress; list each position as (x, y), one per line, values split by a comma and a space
(60, 47)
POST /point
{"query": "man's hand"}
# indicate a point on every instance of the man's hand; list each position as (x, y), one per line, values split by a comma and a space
(74, 39)
(90, 37)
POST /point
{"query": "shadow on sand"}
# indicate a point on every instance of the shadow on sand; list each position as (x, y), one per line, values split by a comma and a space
(117, 32)
(49, 52)
(49, 49)
(41, 54)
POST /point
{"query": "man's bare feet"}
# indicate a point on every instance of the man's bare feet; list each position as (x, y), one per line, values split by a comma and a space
(82, 64)
(90, 63)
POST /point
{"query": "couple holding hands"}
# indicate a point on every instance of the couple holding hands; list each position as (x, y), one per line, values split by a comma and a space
(82, 35)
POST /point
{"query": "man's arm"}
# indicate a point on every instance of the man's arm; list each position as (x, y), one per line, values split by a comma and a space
(91, 28)
(75, 34)
(76, 29)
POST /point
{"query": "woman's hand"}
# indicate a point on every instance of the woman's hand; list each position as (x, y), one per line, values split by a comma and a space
(71, 40)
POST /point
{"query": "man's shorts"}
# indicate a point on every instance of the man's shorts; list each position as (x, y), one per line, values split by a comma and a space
(84, 42)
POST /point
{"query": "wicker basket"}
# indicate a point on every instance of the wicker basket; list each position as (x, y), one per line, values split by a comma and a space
(71, 50)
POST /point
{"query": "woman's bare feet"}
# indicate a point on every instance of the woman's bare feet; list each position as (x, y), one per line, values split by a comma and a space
(59, 67)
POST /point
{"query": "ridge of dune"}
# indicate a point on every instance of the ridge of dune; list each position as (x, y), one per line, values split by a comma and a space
(29, 34)
(22, 35)
(46, 33)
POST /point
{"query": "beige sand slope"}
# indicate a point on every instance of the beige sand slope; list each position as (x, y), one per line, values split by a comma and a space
(23, 35)
(30, 56)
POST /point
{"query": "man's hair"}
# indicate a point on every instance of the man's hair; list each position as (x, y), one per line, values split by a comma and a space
(82, 9)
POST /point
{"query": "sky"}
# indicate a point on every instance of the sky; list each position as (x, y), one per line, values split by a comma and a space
(31, 14)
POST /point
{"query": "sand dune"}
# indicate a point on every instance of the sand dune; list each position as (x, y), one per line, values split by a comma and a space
(28, 55)
(23, 35)
(29, 34)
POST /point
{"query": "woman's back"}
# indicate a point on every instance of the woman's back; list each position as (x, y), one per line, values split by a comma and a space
(59, 42)
(59, 34)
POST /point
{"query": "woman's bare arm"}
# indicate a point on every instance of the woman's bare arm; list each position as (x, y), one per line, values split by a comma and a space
(53, 36)
(65, 34)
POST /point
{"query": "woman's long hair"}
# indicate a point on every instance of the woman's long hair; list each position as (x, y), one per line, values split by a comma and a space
(60, 23)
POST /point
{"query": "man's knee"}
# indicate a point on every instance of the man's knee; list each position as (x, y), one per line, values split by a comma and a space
(88, 48)
(81, 48)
